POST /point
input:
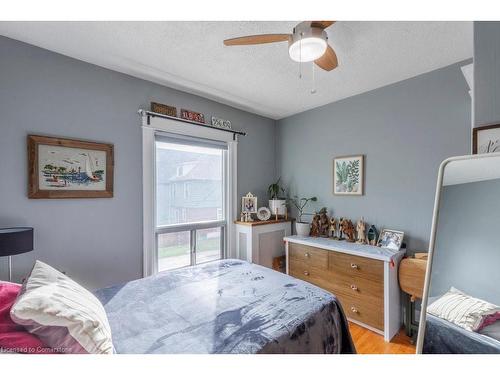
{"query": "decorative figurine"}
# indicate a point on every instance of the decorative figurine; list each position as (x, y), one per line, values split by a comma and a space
(372, 235)
(360, 230)
(323, 223)
(242, 216)
(341, 233)
(348, 229)
(333, 228)
(315, 226)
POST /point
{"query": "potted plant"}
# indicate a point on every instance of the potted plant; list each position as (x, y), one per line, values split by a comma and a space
(302, 228)
(277, 204)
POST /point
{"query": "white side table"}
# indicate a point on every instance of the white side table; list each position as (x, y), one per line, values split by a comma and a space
(261, 241)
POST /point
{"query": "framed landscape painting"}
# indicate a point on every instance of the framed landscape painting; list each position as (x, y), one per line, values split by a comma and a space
(348, 175)
(69, 168)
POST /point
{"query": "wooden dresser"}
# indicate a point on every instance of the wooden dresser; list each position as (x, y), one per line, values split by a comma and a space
(363, 277)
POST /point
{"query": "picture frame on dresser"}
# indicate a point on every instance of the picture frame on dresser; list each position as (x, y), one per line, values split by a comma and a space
(390, 239)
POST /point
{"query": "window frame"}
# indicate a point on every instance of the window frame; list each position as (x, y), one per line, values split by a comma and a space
(150, 127)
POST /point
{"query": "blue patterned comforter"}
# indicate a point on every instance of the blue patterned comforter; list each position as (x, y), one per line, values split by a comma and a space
(229, 306)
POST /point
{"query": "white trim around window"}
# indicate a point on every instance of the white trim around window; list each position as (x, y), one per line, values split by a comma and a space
(157, 125)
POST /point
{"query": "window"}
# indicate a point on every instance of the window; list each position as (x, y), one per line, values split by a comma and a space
(189, 194)
(190, 177)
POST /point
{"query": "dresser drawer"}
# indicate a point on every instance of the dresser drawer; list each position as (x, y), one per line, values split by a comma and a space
(363, 311)
(351, 265)
(366, 290)
(309, 255)
(313, 275)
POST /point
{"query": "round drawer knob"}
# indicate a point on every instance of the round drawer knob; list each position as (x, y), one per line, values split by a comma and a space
(307, 255)
(354, 265)
(306, 273)
(354, 310)
(354, 287)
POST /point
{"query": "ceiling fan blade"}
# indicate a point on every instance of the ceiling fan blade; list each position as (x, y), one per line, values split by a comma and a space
(257, 39)
(328, 61)
(322, 24)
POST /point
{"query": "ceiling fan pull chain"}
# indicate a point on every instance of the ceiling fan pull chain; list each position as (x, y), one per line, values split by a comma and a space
(313, 90)
(300, 57)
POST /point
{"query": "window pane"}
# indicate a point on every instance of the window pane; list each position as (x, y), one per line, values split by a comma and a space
(208, 243)
(173, 250)
(189, 183)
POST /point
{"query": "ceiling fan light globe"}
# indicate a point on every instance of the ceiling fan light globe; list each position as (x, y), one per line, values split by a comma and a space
(307, 49)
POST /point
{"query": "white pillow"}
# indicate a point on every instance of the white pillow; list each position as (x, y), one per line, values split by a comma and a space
(63, 314)
(461, 309)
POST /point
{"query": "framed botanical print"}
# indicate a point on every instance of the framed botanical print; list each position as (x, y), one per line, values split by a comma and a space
(486, 139)
(348, 175)
(69, 168)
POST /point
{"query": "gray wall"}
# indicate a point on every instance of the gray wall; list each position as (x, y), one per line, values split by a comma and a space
(467, 252)
(97, 241)
(405, 130)
(486, 73)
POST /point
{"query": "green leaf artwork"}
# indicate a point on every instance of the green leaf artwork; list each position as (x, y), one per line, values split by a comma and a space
(348, 174)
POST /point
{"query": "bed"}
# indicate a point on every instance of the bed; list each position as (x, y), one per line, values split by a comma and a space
(443, 337)
(228, 306)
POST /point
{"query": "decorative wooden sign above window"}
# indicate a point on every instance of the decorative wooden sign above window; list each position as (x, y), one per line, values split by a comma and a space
(192, 116)
(163, 109)
(221, 123)
(69, 168)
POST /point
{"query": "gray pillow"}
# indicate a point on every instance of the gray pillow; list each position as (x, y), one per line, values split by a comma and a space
(493, 330)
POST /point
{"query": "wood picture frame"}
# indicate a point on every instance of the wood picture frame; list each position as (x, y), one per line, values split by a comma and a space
(489, 145)
(343, 178)
(68, 168)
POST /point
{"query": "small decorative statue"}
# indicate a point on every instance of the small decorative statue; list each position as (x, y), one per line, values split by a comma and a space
(348, 229)
(315, 226)
(323, 223)
(341, 227)
(372, 236)
(360, 230)
(333, 228)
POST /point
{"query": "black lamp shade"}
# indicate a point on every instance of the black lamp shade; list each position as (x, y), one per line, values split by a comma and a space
(15, 241)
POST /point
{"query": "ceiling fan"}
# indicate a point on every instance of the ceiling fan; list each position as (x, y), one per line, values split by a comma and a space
(307, 42)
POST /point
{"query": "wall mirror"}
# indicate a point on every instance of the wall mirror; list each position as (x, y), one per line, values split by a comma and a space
(461, 304)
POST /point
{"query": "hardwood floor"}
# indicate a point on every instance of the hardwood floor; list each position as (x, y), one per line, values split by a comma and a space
(368, 342)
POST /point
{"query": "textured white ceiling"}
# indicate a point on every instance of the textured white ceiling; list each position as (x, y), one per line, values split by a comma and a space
(262, 79)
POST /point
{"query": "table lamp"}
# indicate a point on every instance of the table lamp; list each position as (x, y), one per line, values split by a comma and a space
(15, 241)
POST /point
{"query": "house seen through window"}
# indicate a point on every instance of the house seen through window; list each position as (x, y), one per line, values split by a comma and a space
(190, 219)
